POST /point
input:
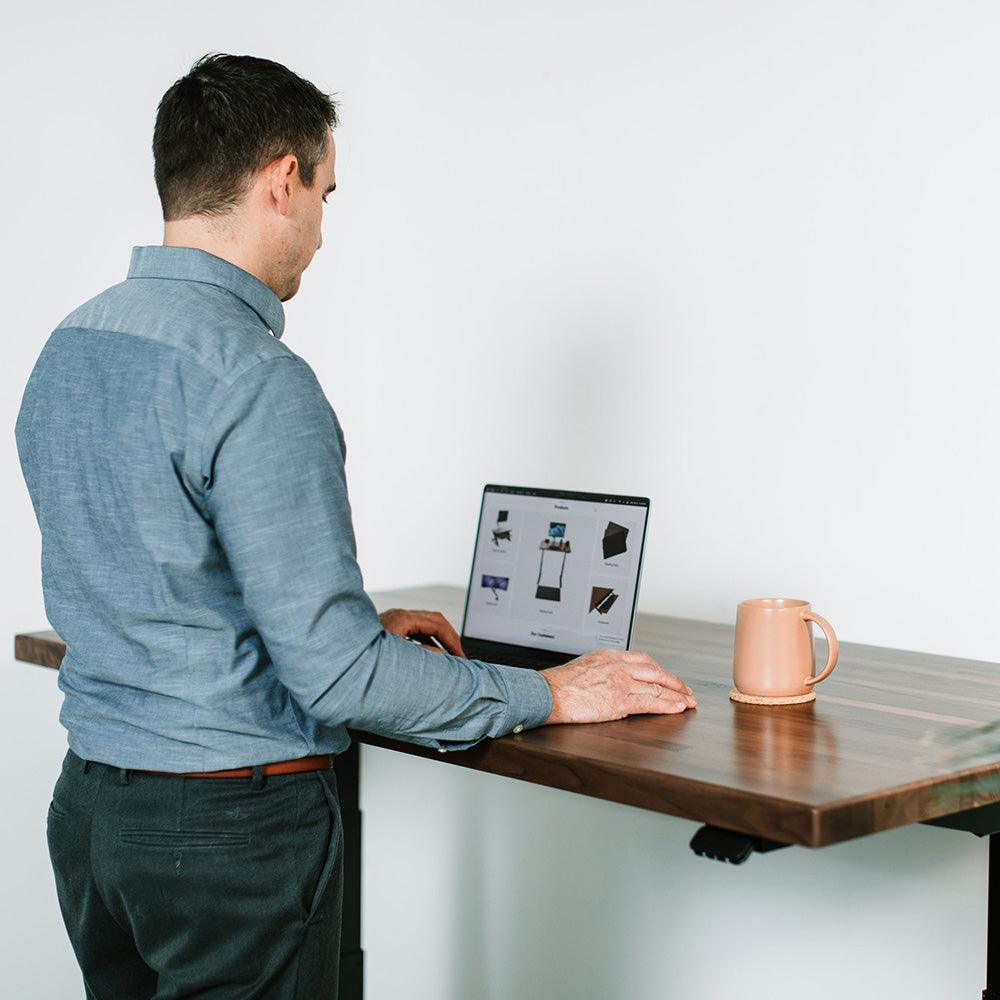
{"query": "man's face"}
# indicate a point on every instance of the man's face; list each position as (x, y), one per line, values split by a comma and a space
(304, 230)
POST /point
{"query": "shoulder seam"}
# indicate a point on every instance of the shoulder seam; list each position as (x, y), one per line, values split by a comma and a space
(286, 351)
(223, 393)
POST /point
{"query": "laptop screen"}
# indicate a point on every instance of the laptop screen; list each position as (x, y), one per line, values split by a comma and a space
(555, 570)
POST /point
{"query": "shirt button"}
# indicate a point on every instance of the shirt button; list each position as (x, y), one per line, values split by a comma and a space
(517, 728)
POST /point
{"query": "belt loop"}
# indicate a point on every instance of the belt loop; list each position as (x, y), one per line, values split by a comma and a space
(123, 776)
(86, 766)
(257, 778)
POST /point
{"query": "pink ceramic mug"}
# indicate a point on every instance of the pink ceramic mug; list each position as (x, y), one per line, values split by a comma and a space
(773, 650)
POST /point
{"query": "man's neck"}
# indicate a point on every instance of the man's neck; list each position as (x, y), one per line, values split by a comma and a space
(225, 241)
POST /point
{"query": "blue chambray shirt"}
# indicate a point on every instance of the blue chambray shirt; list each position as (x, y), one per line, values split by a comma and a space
(198, 557)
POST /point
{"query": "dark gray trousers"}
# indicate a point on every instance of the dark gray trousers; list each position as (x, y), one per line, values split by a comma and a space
(219, 888)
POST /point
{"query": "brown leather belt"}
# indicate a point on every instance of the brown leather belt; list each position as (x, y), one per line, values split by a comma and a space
(318, 762)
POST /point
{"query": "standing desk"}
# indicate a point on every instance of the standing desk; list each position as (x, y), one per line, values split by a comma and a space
(887, 742)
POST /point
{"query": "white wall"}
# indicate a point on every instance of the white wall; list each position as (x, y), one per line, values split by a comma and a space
(739, 257)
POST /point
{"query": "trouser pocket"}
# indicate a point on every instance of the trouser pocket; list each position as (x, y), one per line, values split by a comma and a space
(329, 884)
(183, 839)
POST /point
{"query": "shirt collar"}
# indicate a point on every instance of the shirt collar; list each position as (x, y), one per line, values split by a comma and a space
(190, 264)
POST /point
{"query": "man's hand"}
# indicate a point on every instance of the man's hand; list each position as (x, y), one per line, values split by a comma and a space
(422, 625)
(610, 684)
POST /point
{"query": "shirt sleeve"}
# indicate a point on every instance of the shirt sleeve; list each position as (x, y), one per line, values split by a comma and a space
(275, 490)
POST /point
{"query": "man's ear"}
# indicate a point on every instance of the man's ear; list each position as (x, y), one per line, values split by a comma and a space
(281, 175)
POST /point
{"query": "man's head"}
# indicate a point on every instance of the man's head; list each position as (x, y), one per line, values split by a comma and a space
(244, 158)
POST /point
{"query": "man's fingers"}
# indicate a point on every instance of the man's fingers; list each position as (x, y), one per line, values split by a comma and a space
(646, 689)
(644, 704)
(658, 690)
(635, 656)
(643, 661)
(435, 624)
(448, 636)
(657, 675)
(428, 628)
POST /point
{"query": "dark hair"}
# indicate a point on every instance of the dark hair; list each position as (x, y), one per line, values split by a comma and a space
(225, 120)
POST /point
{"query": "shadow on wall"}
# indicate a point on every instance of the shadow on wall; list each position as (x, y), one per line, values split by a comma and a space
(515, 876)
(468, 940)
(564, 899)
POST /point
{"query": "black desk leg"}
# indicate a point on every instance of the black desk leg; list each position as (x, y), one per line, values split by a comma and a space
(352, 958)
(992, 991)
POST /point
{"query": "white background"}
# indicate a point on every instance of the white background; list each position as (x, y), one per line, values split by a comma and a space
(739, 257)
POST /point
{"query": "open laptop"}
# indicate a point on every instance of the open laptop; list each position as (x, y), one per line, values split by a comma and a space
(554, 574)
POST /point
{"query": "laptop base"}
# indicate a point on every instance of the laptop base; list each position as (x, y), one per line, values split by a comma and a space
(514, 656)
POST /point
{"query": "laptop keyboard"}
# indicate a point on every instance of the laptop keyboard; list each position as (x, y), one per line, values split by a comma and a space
(512, 659)
(522, 660)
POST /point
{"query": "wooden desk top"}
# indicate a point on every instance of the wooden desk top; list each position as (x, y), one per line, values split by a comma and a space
(893, 738)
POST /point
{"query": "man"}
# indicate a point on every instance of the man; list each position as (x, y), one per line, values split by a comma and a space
(198, 559)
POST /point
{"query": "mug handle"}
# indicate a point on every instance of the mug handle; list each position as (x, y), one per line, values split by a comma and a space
(831, 638)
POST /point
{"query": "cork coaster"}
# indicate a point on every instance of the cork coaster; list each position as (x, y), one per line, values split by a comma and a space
(763, 699)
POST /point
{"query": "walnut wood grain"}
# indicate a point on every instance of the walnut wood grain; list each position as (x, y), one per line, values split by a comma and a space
(882, 746)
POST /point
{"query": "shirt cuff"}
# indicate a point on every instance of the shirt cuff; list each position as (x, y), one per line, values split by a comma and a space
(529, 704)
(529, 698)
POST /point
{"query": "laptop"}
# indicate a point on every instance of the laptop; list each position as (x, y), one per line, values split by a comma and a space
(555, 573)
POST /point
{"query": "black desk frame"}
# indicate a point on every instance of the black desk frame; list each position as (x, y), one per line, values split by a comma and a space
(712, 842)
(734, 848)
